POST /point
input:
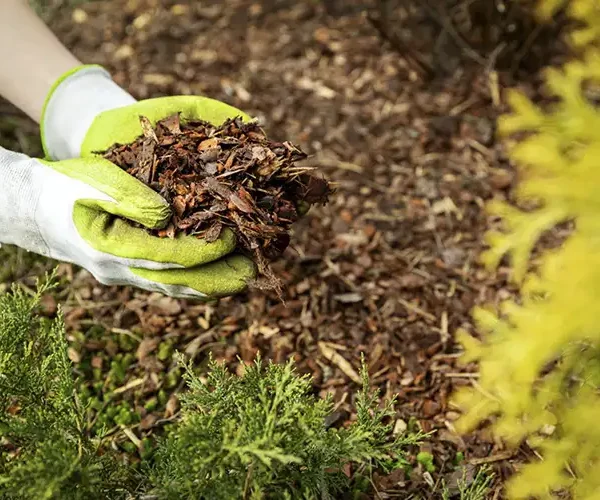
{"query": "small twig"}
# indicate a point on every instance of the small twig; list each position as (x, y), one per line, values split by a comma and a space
(477, 146)
(461, 375)
(417, 61)
(416, 309)
(524, 49)
(505, 455)
(339, 404)
(324, 161)
(483, 391)
(457, 111)
(452, 355)
(447, 25)
(122, 331)
(129, 385)
(341, 362)
(132, 437)
(162, 421)
(494, 88)
(247, 481)
(493, 57)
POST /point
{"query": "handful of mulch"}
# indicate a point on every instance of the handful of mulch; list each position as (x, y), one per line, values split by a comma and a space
(226, 176)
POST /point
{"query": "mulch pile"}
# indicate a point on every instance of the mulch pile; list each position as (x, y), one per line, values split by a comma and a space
(224, 176)
(389, 267)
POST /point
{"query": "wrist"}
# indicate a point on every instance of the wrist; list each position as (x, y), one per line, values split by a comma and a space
(72, 105)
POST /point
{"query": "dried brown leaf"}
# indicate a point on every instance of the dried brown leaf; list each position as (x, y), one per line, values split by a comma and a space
(195, 218)
(243, 201)
(217, 187)
(213, 233)
(172, 124)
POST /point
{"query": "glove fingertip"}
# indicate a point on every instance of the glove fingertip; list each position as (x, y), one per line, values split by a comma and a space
(222, 278)
(153, 216)
(150, 215)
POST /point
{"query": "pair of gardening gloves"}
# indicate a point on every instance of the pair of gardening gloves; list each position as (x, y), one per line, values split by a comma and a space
(77, 207)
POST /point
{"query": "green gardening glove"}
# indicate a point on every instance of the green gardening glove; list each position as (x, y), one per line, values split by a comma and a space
(86, 205)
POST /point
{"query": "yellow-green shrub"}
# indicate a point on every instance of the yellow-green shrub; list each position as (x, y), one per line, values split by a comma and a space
(585, 12)
(539, 359)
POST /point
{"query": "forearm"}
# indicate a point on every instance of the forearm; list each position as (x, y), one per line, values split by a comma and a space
(32, 57)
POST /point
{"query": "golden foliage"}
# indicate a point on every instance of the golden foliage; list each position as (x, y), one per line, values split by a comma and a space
(585, 12)
(539, 359)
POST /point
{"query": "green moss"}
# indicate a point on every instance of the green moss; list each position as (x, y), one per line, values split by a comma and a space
(165, 350)
(426, 460)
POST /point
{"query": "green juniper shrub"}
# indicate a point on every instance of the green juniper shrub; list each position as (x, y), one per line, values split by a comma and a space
(261, 435)
(478, 487)
(43, 451)
(264, 434)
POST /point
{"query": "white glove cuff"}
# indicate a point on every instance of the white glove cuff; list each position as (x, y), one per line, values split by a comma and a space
(72, 107)
(19, 195)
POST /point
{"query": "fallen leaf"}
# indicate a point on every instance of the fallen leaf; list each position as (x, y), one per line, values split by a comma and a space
(242, 201)
(172, 124)
(213, 233)
(195, 218)
(145, 161)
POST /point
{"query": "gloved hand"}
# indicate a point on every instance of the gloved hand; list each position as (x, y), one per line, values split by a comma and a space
(78, 209)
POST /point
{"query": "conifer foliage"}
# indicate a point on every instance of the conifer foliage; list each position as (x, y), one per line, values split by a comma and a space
(264, 434)
(261, 435)
(43, 451)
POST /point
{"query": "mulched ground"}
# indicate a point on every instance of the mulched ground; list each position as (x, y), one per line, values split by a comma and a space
(388, 268)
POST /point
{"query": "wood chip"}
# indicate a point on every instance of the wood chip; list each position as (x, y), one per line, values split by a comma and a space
(147, 129)
(147, 346)
(338, 360)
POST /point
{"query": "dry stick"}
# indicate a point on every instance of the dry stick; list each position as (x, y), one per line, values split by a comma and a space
(524, 49)
(247, 481)
(419, 63)
(447, 25)
(505, 455)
